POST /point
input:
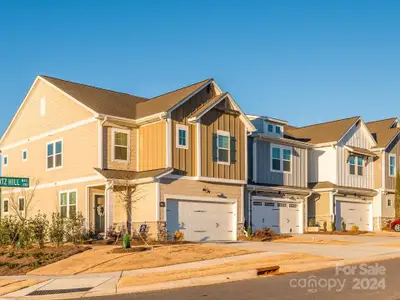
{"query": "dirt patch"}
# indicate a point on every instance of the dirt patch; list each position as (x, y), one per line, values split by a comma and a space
(338, 232)
(383, 234)
(102, 259)
(9, 286)
(243, 265)
(390, 245)
(19, 262)
(305, 240)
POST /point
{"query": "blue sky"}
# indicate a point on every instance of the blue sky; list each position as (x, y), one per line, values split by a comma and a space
(302, 61)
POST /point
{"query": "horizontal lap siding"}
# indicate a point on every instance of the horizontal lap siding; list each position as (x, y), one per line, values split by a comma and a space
(298, 176)
(213, 121)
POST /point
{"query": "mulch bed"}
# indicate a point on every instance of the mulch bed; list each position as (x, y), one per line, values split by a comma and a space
(337, 232)
(265, 239)
(131, 250)
(19, 262)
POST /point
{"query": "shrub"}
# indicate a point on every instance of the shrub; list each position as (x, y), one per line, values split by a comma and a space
(26, 234)
(75, 228)
(10, 230)
(343, 225)
(264, 233)
(126, 242)
(333, 224)
(354, 228)
(56, 229)
(179, 236)
(325, 225)
(312, 223)
(40, 227)
(248, 231)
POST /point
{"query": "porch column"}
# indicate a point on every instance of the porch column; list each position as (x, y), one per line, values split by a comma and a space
(109, 206)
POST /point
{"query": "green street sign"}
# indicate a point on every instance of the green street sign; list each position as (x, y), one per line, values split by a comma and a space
(14, 182)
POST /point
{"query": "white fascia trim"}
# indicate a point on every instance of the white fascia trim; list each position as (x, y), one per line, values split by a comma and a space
(158, 201)
(195, 119)
(273, 188)
(138, 181)
(50, 133)
(383, 169)
(55, 184)
(198, 148)
(208, 179)
(277, 139)
(139, 122)
(243, 116)
(353, 200)
(199, 198)
(328, 144)
(168, 143)
(276, 199)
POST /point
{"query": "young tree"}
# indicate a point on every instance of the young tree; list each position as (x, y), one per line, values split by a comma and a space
(21, 203)
(397, 197)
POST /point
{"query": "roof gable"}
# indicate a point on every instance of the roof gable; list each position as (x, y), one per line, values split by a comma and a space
(382, 131)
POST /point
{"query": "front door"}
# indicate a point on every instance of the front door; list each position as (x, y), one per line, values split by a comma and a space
(99, 219)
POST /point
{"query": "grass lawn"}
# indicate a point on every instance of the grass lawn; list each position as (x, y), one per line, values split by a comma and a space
(19, 262)
(101, 258)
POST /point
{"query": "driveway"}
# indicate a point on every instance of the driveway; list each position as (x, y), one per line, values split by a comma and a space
(360, 247)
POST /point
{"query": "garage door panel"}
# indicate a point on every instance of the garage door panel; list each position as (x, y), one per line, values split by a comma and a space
(353, 213)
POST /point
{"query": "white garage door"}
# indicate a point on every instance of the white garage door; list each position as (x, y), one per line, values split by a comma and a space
(353, 213)
(201, 221)
(282, 217)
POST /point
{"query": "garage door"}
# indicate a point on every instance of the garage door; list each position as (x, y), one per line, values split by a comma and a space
(201, 221)
(282, 217)
(353, 213)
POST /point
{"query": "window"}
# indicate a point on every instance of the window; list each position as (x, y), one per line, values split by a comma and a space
(5, 160)
(21, 204)
(278, 130)
(360, 165)
(223, 147)
(42, 106)
(281, 159)
(389, 202)
(54, 155)
(182, 137)
(392, 165)
(68, 203)
(352, 162)
(120, 144)
(24, 155)
(5, 206)
(270, 128)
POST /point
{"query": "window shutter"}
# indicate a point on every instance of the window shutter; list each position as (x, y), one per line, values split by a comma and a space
(233, 150)
(214, 147)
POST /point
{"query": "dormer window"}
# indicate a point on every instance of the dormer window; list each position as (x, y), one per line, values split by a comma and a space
(278, 130)
(274, 129)
(270, 128)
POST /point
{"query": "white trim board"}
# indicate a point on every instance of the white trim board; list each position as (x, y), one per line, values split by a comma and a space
(208, 179)
(199, 198)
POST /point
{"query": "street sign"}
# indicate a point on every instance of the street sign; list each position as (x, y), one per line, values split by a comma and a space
(14, 182)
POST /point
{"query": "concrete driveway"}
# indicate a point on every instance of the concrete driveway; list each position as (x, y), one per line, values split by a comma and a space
(364, 247)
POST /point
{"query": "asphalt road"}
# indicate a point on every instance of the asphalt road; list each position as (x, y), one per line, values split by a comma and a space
(379, 280)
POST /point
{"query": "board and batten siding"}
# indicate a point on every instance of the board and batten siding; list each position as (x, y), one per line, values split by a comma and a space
(297, 177)
(394, 148)
(152, 146)
(356, 137)
(211, 122)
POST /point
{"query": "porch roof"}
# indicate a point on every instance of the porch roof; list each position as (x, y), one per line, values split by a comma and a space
(133, 175)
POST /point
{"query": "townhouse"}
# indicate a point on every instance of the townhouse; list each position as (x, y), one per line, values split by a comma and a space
(386, 165)
(183, 153)
(278, 190)
(340, 172)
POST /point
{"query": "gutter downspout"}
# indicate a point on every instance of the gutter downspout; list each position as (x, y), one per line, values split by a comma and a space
(305, 213)
(333, 201)
(101, 146)
(249, 209)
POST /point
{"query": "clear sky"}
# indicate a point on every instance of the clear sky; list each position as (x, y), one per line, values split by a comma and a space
(301, 61)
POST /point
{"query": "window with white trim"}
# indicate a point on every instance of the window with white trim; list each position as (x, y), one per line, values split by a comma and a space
(182, 137)
(5, 160)
(24, 155)
(68, 203)
(352, 165)
(54, 154)
(270, 128)
(389, 202)
(392, 165)
(281, 159)
(21, 203)
(356, 165)
(360, 165)
(223, 145)
(5, 206)
(120, 144)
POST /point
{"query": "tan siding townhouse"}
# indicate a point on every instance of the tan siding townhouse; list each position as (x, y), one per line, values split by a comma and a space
(185, 151)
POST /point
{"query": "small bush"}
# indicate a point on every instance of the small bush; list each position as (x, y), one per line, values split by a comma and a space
(10, 231)
(126, 243)
(248, 231)
(312, 223)
(343, 225)
(333, 225)
(179, 236)
(325, 225)
(354, 228)
(264, 233)
(40, 227)
(75, 228)
(56, 229)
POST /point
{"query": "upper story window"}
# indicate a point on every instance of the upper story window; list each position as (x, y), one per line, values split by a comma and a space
(54, 154)
(389, 202)
(24, 155)
(5, 160)
(68, 203)
(274, 129)
(120, 147)
(182, 137)
(278, 130)
(270, 128)
(5, 206)
(392, 165)
(21, 204)
(356, 165)
(281, 159)
(223, 147)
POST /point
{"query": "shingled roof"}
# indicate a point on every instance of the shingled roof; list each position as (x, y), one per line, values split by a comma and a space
(123, 105)
(382, 132)
(320, 133)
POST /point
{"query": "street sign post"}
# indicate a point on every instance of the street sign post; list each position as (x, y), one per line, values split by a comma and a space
(14, 182)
